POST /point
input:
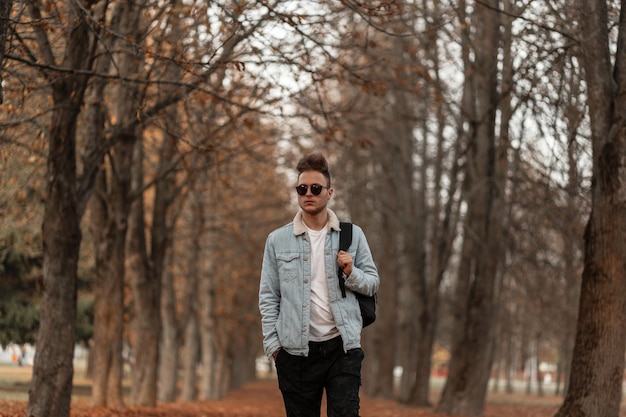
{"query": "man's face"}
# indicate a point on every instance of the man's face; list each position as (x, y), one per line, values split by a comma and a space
(310, 203)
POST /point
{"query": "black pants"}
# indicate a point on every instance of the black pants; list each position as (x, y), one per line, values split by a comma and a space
(303, 379)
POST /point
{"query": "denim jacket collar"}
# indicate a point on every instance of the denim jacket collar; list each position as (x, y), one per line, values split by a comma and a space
(299, 227)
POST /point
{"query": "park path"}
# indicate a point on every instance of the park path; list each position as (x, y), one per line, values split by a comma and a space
(263, 399)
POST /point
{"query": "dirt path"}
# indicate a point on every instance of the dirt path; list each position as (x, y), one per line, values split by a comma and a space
(263, 399)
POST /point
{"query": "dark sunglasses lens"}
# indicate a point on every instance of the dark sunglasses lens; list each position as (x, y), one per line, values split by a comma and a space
(316, 189)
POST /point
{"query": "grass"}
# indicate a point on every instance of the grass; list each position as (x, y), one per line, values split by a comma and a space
(15, 381)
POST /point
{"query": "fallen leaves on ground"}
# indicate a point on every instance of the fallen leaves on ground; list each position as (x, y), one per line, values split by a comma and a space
(262, 399)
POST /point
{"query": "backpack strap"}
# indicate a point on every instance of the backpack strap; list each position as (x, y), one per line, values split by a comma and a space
(345, 240)
(345, 236)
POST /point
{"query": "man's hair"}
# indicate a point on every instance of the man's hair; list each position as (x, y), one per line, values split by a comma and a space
(314, 162)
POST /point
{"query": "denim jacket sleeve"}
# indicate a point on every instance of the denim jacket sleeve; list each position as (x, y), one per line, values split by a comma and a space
(269, 298)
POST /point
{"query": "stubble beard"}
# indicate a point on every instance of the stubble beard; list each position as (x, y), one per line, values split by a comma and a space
(313, 211)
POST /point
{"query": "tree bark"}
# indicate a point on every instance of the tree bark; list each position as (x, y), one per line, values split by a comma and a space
(207, 337)
(51, 383)
(109, 224)
(161, 238)
(191, 357)
(465, 389)
(109, 242)
(146, 292)
(170, 340)
(5, 14)
(595, 385)
(162, 231)
(148, 312)
(571, 235)
(381, 336)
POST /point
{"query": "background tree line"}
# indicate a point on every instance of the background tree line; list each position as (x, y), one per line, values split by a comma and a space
(472, 140)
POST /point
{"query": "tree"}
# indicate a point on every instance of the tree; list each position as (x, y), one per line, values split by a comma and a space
(595, 384)
(470, 365)
(5, 13)
(51, 384)
(111, 202)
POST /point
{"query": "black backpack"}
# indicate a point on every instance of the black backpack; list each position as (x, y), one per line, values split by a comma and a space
(366, 302)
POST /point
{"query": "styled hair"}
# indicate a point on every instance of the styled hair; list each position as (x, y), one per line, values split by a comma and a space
(314, 162)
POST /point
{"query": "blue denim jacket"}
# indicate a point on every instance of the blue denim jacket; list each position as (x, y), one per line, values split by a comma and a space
(285, 288)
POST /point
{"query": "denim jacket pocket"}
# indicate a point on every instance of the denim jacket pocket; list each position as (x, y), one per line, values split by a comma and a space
(287, 266)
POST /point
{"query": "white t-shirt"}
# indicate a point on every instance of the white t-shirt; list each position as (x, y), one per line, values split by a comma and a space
(322, 323)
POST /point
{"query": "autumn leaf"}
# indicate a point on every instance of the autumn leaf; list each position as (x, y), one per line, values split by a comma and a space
(263, 399)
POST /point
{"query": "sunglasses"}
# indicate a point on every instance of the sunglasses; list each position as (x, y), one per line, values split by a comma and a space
(316, 189)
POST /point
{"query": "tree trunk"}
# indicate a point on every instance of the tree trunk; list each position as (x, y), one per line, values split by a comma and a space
(425, 294)
(127, 172)
(170, 339)
(208, 389)
(51, 384)
(166, 192)
(595, 385)
(381, 337)
(161, 237)
(109, 243)
(146, 290)
(379, 340)
(110, 211)
(106, 349)
(403, 190)
(571, 236)
(509, 366)
(5, 13)
(222, 375)
(147, 294)
(465, 389)
(191, 357)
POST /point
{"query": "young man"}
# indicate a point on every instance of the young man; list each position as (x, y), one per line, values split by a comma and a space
(311, 331)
